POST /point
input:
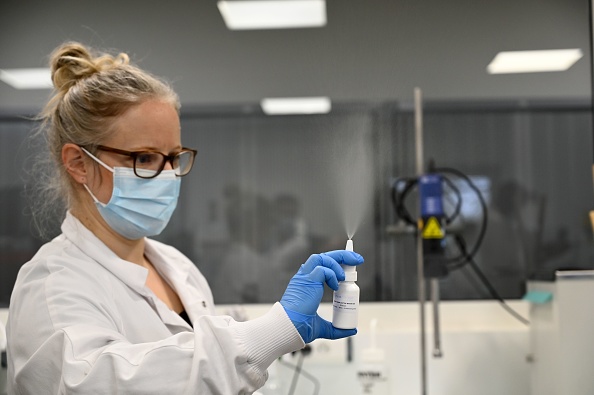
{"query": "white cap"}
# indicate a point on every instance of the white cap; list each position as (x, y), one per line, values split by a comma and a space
(350, 272)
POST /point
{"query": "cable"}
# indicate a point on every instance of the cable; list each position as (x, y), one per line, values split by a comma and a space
(402, 212)
(296, 374)
(400, 208)
(298, 370)
(398, 200)
(495, 295)
(451, 218)
(465, 257)
(487, 283)
(458, 262)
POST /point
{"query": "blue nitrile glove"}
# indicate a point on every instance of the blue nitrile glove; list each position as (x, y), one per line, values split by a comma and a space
(306, 288)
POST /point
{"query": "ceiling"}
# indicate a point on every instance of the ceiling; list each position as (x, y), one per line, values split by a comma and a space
(369, 51)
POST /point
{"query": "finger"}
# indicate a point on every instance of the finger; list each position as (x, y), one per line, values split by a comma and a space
(327, 331)
(340, 333)
(325, 275)
(325, 261)
(311, 263)
(346, 257)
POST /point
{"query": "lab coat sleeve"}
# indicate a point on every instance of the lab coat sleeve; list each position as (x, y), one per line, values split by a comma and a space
(74, 346)
(221, 357)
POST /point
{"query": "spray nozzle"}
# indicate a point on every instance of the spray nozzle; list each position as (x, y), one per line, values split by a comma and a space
(349, 245)
(350, 272)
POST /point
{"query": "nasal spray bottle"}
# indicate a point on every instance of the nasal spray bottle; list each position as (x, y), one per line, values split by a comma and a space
(345, 309)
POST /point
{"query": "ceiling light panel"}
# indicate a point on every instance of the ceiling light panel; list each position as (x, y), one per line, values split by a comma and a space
(35, 78)
(273, 14)
(534, 61)
(296, 105)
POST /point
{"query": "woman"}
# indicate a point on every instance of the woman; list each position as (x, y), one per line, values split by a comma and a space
(102, 309)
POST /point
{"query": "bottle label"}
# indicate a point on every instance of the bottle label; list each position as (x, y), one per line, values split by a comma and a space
(346, 303)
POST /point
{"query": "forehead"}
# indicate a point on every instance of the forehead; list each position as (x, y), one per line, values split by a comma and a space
(152, 123)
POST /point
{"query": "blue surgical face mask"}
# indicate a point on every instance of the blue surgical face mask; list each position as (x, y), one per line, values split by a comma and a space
(138, 207)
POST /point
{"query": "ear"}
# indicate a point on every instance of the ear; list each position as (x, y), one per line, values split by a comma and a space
(73, 159)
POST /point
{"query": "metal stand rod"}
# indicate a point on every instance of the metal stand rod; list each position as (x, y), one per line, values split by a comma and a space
(420, 266)
(437, 353)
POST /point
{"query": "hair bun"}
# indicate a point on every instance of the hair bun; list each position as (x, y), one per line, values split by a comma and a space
(73, 61)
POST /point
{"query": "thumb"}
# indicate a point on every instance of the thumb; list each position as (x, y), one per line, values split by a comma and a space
(327, 331)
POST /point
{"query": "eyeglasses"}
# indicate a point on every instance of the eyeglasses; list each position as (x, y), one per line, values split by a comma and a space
(149, 164)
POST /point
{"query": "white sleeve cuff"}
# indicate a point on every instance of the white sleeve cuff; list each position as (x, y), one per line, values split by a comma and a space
(268, 337)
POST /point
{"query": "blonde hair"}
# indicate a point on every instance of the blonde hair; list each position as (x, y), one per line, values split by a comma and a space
(91, 89)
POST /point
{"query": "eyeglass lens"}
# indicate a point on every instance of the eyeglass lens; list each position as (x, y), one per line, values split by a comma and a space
(153, 162)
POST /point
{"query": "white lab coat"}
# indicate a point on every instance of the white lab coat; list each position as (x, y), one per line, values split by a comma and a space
(82, 321)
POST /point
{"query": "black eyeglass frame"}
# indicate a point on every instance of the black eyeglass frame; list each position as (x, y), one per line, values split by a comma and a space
(167, 158)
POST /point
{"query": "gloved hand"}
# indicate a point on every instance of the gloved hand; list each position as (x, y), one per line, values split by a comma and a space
(306, 288)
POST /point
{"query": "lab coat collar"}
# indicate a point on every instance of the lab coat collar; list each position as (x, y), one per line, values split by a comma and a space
(129, 273)
(177, 272)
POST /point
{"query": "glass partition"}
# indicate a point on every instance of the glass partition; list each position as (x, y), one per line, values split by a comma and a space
(266, 192)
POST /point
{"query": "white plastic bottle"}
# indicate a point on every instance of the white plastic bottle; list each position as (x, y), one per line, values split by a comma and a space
(372, 371)
(345, 306)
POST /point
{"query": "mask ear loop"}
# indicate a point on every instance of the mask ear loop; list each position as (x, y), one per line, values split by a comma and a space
(97, 160)
(102, 164)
